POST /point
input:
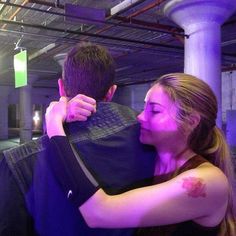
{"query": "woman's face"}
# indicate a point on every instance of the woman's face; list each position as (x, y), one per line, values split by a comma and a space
(158, 120)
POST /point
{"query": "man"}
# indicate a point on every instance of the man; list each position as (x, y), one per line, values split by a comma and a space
(31, 200)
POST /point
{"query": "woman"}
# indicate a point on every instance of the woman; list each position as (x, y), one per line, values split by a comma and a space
(192, 192)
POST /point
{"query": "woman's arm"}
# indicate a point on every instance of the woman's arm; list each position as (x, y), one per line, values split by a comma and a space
(193, 195)
(71, 173)
(80, 107)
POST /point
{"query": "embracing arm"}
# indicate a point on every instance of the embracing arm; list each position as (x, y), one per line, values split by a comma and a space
(192, 195)
(71, 173)
(195, 194)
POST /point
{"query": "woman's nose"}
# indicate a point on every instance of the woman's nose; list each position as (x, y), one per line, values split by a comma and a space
(140, 117)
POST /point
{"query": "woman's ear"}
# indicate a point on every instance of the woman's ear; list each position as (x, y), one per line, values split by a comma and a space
(194, 119)
(61, 88)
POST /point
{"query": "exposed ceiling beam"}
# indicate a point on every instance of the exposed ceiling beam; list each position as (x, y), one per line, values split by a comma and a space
(15, 12)
(146, 8)
(82, 18)
(42, 27)
(49, 4)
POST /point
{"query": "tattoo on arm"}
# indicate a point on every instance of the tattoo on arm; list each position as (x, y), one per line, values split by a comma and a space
(195, 187)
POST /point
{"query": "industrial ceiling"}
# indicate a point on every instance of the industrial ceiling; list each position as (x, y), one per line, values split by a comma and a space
(144, 42)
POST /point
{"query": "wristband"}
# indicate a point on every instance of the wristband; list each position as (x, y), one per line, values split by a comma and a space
(74, 178)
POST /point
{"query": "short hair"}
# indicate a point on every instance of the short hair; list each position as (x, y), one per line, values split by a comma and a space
(89, 69)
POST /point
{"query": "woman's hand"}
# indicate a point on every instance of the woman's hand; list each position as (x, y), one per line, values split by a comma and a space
(55, 116)
(78, 109)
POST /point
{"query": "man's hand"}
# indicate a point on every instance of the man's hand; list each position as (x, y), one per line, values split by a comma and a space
(80, 108)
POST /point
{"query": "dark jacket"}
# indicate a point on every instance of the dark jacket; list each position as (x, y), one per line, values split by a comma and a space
(109, 146)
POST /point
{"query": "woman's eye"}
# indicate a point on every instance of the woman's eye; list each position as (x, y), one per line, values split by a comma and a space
(155, 112)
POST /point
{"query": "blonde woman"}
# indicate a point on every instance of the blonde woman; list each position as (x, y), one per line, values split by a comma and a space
(192, 189)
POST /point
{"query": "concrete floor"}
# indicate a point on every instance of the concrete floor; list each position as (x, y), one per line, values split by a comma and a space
(14, 139)
(5, 144)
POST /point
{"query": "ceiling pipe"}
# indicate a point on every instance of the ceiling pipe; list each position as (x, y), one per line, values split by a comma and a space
(101, 30)
(41, 51)
(124, 5)
(73, 41)
(173, 30)
(2, 9)
(227, 43)
(122, 9)
(229, 68)
(89, 34)
(129, 20)
(110, 26)
(49, 4)
(104, 29)
(146, 8)
(165, 28)
(109, 17)
(82, 18)
(15, 13)
(170, 29)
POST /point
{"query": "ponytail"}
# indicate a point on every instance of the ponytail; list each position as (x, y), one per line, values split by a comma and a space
(217, 152)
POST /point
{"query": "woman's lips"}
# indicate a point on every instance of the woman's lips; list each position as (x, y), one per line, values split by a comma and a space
(143, 129)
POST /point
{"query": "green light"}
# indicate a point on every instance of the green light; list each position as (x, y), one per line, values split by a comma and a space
(20, 67)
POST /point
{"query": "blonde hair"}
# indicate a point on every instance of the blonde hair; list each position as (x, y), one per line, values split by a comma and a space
(192, 94)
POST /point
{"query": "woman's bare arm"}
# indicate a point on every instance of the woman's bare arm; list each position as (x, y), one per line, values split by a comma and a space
(195, 194)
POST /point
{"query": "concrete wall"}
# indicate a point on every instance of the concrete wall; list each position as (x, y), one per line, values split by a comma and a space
(228, 92)
(132, 95)
(229, 107)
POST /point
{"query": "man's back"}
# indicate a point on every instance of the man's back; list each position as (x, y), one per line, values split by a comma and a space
(109, 146)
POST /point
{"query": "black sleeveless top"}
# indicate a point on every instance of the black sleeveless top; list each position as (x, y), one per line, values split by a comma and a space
(187, 228)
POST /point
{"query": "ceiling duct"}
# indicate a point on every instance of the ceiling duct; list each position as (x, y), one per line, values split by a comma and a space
(96, 15)
(60, 58)
(121, 6)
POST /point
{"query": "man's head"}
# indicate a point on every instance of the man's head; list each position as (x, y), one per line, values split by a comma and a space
(88, 69)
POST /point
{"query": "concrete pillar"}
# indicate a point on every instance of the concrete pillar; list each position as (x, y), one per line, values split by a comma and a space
(201, 20)
(231, 129)
(4, 92)
(26, 114)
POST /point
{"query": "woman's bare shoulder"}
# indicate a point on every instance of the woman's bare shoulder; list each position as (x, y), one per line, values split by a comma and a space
(210, 178)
